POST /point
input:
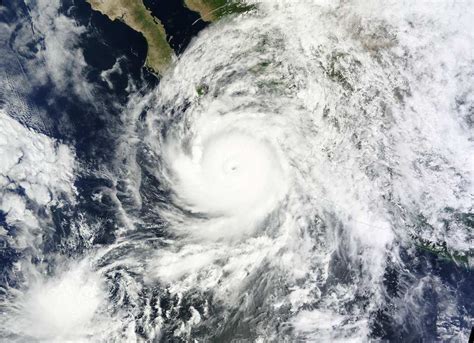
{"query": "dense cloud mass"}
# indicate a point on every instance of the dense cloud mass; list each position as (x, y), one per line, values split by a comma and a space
(36, 171)
(303, 172)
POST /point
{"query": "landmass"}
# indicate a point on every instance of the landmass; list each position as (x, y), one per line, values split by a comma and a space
(212, 10)
(134, 14)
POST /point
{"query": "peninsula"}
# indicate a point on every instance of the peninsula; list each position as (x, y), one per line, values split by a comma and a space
(134, 14)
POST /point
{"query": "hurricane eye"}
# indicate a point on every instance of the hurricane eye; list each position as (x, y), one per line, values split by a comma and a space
(236, 173)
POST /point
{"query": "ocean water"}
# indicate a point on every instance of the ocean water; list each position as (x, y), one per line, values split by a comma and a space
(303, 172)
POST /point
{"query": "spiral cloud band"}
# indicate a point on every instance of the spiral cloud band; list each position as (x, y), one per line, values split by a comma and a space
(299, 174)
(227, 171)
(299, 150)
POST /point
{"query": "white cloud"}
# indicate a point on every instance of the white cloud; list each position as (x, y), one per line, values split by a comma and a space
(58, 308)
(61, 58)
(36, 164)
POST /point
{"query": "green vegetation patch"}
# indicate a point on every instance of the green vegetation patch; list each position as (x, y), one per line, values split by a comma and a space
(134, 14)
(212, 10)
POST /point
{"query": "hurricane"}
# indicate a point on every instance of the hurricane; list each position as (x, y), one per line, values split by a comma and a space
(297, 175)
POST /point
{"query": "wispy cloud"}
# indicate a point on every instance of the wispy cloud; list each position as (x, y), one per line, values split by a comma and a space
(58, 49)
